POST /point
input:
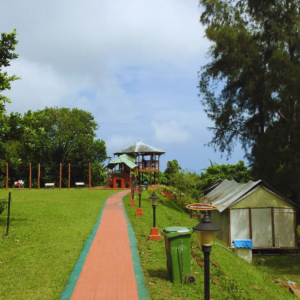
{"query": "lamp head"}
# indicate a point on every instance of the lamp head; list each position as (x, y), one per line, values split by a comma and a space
(140, 190)
(206, 230)
(153, 199)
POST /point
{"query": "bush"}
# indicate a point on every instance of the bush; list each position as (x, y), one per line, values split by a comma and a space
(3, 205)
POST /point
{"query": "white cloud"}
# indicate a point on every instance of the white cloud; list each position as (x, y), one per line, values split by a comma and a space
(133, 64)
(116, 142)
(39, 86)
(170, 132)
(79, 36)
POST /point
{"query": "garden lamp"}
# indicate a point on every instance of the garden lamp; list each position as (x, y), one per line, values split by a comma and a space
(154, 235)
(139, 211)
(206, 231)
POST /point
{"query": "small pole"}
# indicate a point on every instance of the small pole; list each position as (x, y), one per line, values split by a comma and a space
(206, 251)
(30, 176)
(60, 170)
(39, 175)
(69, 176)
(140, 200)
(90, 176)
(154, 207)
(151, 157)
(158, 168)
(7, 176)
(8, 212)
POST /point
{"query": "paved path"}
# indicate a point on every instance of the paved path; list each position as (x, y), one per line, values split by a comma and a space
(108, 271)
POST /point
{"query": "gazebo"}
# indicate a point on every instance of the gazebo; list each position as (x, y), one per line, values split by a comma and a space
(131, 164)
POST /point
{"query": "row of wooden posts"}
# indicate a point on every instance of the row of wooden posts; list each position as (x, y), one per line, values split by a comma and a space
(60, 175)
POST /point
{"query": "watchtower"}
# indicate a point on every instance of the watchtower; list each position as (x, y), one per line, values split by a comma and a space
(131, 165)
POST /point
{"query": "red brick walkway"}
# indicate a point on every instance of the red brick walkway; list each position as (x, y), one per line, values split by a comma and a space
(108, 269)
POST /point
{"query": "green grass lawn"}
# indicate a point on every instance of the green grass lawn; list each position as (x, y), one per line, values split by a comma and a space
(236, 278)
(48, 229)
(280, 267)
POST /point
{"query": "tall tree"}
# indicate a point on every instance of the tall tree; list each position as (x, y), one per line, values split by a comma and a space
(172, 168)
(7, 54)
(60, 135)
(255, 65)
(238, 172)
(7, 47)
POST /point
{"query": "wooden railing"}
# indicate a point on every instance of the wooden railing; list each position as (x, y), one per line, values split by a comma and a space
(148, 165)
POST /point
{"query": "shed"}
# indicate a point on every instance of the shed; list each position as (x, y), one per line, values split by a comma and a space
(253, 210)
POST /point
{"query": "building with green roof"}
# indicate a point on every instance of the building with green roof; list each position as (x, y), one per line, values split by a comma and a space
(131, 164)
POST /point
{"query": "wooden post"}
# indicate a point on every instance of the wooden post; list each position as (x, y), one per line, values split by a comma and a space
(158, 168)
(30, 176)
(60, 171)
(69, 177)
(7, 176)
(150, 169)
(39, 175)
(90, 176)
(107, 176)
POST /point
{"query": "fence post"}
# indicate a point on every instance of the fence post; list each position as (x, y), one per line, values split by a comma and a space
(90, 176)
(30, 176)
(7, 176)
(60, 167)
(39, 175)
(69, 176)
(8, 213)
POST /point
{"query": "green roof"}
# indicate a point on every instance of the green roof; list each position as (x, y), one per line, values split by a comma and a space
(126, 159)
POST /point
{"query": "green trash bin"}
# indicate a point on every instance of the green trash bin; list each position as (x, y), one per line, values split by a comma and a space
(146, 185)
(178, 250)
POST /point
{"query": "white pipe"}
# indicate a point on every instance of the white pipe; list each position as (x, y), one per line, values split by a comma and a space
(223, 247)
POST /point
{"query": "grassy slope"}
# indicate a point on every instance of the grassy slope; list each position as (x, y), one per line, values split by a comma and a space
(242, 280)
(47, 232)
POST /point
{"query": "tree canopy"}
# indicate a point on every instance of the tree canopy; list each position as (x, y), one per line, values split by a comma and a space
(52, 136)
(7, 54)
(60, 135)
(7, 47)
(192, 185)
(172, 168)
(238, 172)
(250, 87)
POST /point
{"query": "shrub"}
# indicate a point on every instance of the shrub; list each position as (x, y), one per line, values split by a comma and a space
(3, 204)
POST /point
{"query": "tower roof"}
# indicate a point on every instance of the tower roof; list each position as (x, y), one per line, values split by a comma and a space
(139, 148)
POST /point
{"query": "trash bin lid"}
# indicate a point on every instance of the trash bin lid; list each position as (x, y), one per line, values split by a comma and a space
(176, 231)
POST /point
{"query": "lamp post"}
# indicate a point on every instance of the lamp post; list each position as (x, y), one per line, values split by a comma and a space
(206, 232)
(139, 211)
(154, 235)
(132, 202)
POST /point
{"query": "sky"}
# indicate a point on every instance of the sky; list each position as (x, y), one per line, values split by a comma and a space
(133, 64)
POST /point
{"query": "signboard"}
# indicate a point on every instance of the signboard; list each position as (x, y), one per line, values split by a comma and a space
(201, 206)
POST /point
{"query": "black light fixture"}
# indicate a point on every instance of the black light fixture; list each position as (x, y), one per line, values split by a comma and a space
(206, 231)
(139, 211)
(154, 235)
